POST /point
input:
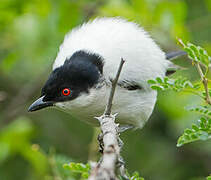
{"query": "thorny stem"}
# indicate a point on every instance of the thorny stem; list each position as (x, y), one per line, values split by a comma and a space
(105, 169)
(205, 83)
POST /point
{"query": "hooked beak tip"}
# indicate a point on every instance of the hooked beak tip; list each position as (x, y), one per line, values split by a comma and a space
(30, 109)
(39, 104)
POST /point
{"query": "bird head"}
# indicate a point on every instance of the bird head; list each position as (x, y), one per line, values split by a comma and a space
(79, 73)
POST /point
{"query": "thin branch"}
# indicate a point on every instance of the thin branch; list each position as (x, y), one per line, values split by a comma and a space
(205, 83)
(201, 74)
(114, 82)
(105, 169)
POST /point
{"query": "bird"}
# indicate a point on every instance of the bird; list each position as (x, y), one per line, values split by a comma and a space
(87, 62)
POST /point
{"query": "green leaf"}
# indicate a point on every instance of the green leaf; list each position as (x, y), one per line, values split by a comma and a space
(208, 178)
(83, 169)
(177, 85)
(151, 81)
(195, 127)
(203, 110)
(135, 176)
(159, 80)
(196, 53)
(187, 131)
(201, 131)
(156, 87)
(57, 162)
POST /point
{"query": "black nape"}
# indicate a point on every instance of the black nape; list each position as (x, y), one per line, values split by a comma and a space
(93, 58)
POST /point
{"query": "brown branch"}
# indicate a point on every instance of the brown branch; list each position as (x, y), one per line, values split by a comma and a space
(105, 169)
(111, 96)
(205, 83)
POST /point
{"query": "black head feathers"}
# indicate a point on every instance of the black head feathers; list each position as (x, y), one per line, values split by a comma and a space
(78, 73)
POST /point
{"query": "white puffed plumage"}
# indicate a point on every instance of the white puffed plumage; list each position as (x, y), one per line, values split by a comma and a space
(113, 39)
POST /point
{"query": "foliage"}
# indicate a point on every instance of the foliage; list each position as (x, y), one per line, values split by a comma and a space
(209, 178)
(199, 57)
(200, 131)
(135, 176)
(56, 162)
(83, 169)
(197, 54)
(179, 84)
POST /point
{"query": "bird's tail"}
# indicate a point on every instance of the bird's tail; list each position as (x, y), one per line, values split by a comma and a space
(176, 54)
(171, 66)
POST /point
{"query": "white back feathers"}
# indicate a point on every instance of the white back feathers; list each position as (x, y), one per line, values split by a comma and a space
(113, 38)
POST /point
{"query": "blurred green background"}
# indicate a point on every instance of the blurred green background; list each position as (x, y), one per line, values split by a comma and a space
(34, 146)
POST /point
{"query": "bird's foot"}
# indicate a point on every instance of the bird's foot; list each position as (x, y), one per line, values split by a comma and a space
(120, 143)
(121, 167)
(100, 141)
(125, 127)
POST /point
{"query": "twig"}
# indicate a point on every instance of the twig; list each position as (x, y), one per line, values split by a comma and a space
(105, 169)
(201, 74)
(114, 82)
(205, 83)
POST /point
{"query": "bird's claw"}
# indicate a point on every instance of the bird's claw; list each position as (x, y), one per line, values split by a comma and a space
(123, 128)
(121, 167)
(100, 141)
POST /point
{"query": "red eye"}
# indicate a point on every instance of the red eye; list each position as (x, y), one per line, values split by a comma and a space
(66, 92)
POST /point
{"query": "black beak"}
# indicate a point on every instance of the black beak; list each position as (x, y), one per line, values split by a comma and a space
(39, 104)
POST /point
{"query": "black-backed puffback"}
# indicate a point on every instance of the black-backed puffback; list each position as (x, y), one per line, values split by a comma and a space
(87, 61)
